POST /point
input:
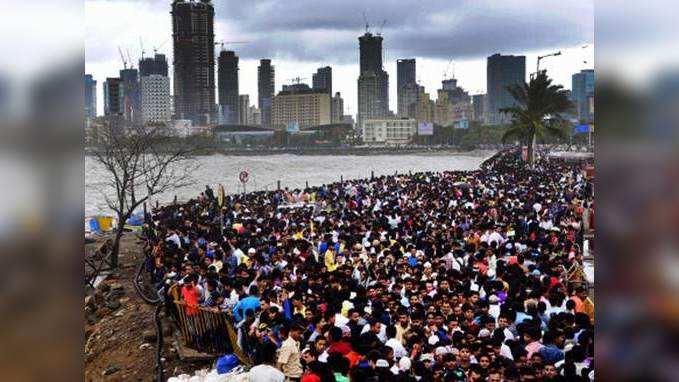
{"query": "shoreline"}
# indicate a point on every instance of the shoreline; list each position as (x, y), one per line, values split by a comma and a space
(329, 151)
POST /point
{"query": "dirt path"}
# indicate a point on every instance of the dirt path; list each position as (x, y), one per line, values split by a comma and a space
(121, 345)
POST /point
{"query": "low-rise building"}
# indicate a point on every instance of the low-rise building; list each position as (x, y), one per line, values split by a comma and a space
(389, 131)
(301, 105)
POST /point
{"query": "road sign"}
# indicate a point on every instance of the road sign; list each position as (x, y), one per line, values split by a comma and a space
(244, 176)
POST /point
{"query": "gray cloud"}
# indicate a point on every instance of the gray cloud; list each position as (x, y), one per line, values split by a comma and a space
(327, 30)
(313, 30)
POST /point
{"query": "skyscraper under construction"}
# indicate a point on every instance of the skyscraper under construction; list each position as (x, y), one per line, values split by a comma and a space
(194, 60)
(373, 80)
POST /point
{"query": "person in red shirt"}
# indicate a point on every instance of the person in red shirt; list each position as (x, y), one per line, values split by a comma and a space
(190, 294)
(338, 345)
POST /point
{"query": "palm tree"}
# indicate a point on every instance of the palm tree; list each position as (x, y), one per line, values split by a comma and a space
(538, 111)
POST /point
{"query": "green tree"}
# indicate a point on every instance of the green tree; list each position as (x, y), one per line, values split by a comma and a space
(538, 112)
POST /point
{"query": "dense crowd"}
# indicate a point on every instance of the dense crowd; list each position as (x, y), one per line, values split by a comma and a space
(453, 276)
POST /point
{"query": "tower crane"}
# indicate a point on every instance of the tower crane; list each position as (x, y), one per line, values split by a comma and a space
(122, 57)
(297, 80)
(222, 43)
(381, 27)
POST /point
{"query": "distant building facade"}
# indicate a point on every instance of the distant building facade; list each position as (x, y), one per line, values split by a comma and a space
(194, 60)
(389, 131)
(406, 85)
(373, 80)
(322, 80)
(90, 111)
(227, 84)
(479, 107)
(502, 72)
(583, 94)
(243, 108)
(113, 97)
(300, 105)
(155, 99)
(337, 108)
(424, 110)
(266, 85)
(131, 96)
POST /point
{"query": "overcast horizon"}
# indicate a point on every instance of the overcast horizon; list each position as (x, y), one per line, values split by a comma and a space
(305, 35)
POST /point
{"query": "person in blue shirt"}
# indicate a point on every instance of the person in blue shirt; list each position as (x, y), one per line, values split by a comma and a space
(550, 352)
(251, 302)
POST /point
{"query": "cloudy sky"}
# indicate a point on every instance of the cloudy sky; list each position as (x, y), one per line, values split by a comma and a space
(453, 36)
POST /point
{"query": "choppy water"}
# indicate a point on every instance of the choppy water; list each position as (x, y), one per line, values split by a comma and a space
(292, 170)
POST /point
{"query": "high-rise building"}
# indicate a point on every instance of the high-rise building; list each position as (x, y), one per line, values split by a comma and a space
(479, 107)
(155, 99)
(583, 94)
(502, 72)
(302, 106)
(194, 60)
(90, 99)
(266, 85)
(322, 80)
(113, 97)
(153, 65)
(131, 96)
(243, 108)
(337, 108)
(406, 83)
(228, 86)
(373, 80)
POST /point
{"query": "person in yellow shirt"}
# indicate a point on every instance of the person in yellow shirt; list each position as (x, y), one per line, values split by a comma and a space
(329, 259)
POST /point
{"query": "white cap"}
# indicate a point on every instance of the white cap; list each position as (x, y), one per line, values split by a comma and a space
(405, 363)
(252, 251)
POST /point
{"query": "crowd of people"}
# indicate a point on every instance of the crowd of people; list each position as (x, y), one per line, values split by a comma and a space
(450, 276)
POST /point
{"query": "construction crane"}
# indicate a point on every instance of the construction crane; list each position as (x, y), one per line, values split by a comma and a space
(129, 58)
(445, 71)
(222, 43)
(122, 57)
(141, 46)
(157, 48)
(297, 80)
(367, 26)
(381, 28)
(537, 71)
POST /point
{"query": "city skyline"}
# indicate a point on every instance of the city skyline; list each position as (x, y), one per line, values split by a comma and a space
(302, 57)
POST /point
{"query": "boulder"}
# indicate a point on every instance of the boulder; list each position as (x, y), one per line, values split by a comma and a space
(90, 303)
(113, 304)
(149, 335)
(103, 287)
(110, 370)
(114, 294)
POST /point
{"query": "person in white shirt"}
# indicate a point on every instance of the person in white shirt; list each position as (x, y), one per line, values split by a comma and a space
(395, 344)
(266, 372)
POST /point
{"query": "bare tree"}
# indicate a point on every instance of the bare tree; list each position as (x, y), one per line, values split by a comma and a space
(141, 164)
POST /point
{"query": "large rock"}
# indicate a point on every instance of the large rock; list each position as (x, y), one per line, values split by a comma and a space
(114, 294)
(91, 303)
(113, 304)
(149, 335)
(110, 370)
(103, 287)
